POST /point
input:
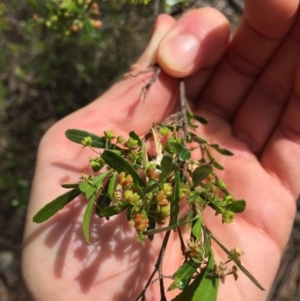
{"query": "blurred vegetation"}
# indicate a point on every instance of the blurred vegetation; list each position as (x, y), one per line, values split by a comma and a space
(56, 56)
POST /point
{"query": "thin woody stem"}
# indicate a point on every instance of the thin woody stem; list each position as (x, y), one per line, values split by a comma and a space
(184, 108)
(156, 71)
(158, 268)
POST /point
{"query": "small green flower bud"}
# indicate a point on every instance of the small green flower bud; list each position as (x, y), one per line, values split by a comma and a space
(96, 164)
(87, 141)
(184, 189)
(165, 211)
(110, 135)
(121, 139)
(227, 216)
(229, 199)
(164, 131)
(131, 143)
(221, 183)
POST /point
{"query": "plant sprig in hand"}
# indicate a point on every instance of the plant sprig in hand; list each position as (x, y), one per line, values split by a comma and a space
(151, 189)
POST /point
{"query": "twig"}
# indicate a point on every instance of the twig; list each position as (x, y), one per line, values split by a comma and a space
(158, 267)
(184, 109)
(156, 71)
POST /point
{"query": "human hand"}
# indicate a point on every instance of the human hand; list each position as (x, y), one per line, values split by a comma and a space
(249, 96)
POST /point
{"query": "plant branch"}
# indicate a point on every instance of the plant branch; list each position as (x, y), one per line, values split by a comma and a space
(158, 268)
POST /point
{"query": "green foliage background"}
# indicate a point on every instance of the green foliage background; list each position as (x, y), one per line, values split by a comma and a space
(45, 74)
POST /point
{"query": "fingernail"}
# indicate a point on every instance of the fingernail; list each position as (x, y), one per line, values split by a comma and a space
(180, 52)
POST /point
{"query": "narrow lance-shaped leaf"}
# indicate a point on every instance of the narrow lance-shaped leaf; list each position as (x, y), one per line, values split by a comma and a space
(213, 161)
(111, 186)
(57, 204)
(220, 150)
(204, 287)
(174, 204)
(238, 263)
(201, 119)
(91, 187)
(70, 185)
(103, 200)
(87, 218)
(90, 190)
(197, 228)
(119, 164)
(152, 220)
(166, 165)
(183, 275)
(164, 229)
(77, 136)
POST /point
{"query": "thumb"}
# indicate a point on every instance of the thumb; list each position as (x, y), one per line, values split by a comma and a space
(162, 25)
(197, 40)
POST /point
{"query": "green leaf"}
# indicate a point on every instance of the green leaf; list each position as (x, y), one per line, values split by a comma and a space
(57, 204)
(217, 165)
(174, 204)
(201, 119)
(164, 229)
(166, 166)
(178, 149)
(68, 186)
(183, 275)
(119, 164)
(238, 263)
(111, 186)
(87, 218)
(204, 287)
(175, 147)
(197, 229)
(184, 155)
(222, 151)
(152, 220)
(88, 188)
(113, 210)
(98, 142)
(103, 200)
(237, 206)
(200, 173)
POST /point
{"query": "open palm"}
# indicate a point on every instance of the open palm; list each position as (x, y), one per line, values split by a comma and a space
(249, 91)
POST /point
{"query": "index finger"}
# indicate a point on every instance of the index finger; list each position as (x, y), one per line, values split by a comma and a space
(260, 32)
